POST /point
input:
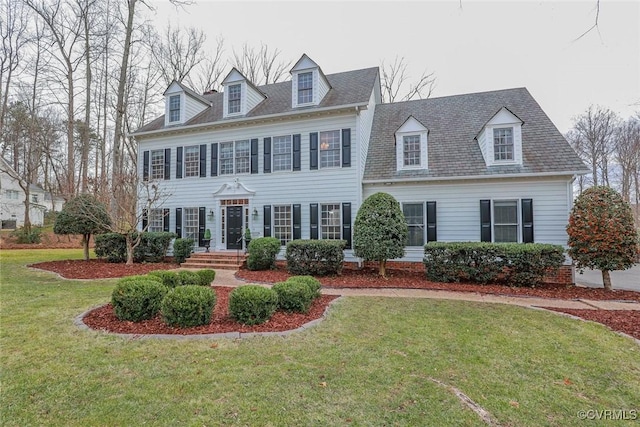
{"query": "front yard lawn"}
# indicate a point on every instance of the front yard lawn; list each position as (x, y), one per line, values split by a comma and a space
(373, 361)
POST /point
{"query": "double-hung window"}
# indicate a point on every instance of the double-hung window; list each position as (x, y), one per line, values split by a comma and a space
(503, 144)
(12, 194)
(157, 164)
(305, 88)
(411, 150)
(192, 161)
(330, 149)
(235, 92)
(34, 198)
(505, 221)
(414, 215)
(282, 153)
(330, 224)
(282, 224)
(156, 220)
(235, 157)
(190, 223)
(174, 108)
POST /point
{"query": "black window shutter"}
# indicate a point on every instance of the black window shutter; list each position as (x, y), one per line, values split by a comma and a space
(145, 166)
(297, 219)
(267, 221)
(203, 160)
(179, 222)
(346, 224)
(313, 150)
(254, 155)
(267, 155)
(167, 163)
(432, 234)
(202, 224)
(214, 159)
(527, 220)
(296, 152)
(145, 219)
(165, 220)
(485, 220)
(313, 207)
(346, 147)
(179, 162)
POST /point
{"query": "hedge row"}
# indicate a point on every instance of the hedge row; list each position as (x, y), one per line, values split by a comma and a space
(315, 257)
(518, 264)
(152, 248)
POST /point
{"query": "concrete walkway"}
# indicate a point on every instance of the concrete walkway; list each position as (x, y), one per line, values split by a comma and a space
(227, 278)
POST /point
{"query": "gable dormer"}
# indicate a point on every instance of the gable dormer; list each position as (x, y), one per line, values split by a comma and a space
(309, 85)
(240, 95)
(411, 145)
(500, 139)
(182, 104)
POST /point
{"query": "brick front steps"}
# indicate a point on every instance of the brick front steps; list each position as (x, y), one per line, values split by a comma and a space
(216, 260)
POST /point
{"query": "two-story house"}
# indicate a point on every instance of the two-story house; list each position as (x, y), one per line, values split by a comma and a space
(12, 200)
(294, 160)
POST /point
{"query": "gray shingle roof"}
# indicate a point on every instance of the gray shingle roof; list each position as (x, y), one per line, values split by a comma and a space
(453, 123)
(351, 87)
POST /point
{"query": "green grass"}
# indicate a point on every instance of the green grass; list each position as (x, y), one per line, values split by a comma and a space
(369, 363)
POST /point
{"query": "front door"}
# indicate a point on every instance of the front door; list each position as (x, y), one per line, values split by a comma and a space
(234, 227)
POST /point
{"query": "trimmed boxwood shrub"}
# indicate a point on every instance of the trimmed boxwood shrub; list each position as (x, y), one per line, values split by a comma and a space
(252, 304)
(111, 246)
(187, 306)
(187, 277)
(519, 264)
(293, 296)
(262, 253)
(169, 278)
(137, 298)
(206, 276)
(313, 283)
(152, 248)
(182, 248)
(315, 257)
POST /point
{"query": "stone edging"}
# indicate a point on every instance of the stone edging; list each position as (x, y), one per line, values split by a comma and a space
(78, 321)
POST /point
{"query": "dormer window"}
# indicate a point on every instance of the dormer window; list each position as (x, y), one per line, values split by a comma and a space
(411, 150)
(305, 88)
(174, 108)
(411, 145)
(235, 92)
(503, 144)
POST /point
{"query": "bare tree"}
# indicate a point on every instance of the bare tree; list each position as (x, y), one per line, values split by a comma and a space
(210, 72)
(398, 85)
(261, 66)
(178, 52)
(627, 155)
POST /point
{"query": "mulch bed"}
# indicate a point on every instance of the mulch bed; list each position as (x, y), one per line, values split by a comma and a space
(627, 321)
(368, 278)
(99, 269)
(104, 319)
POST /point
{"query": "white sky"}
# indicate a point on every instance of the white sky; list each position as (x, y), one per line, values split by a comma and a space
(481, 46)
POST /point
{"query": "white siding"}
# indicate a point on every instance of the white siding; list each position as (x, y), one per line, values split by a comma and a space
(192, 107)
(458, 206)
(253, 98)
(323, 87)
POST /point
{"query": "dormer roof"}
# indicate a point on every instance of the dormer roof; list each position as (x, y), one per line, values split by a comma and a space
(235, 76)
(503, 115)
(174, 84)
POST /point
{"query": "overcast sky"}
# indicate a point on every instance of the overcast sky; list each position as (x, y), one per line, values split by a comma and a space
(477, 47)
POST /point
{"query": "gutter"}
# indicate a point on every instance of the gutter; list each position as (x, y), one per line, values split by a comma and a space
(252, 120)
(471, 177)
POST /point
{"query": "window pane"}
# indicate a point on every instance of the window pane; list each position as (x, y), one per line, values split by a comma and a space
(234, 99)
(330, 221)
(505, 220)
(226, 158)
(156, 220)
(282, 224)
(411, 150)
(282, 153)
(503, 144)
(305, 88)
(190, 223)
(506, 233)
(330, 149)
(243, 156)
(174, 108)
(192, 161)
(157, 164)
(414, 215)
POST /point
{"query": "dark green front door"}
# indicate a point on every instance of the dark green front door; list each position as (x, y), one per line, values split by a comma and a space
(234, 227)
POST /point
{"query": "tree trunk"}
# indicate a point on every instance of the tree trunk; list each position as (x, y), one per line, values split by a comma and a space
(606, 280)
(85, 245)
(383, 268)
(129, 240)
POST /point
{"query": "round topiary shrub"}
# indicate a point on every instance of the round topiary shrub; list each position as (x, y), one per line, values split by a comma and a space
(262, 253)
(169, 278)
(252, 304)
(293, 296)
(140, 277)
(186, 278)
(206, 276)
(137, 299)
(313, 283)
(187, 306)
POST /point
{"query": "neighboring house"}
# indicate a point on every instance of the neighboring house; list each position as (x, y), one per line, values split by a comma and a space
(294, 160)
(12, 199)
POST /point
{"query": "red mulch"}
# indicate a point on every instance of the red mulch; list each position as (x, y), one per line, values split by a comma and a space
(99, 269)
(103, 318)
(627, 321)
(367, 278)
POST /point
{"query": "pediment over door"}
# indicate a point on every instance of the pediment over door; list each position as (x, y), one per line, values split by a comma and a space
(234, 189)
